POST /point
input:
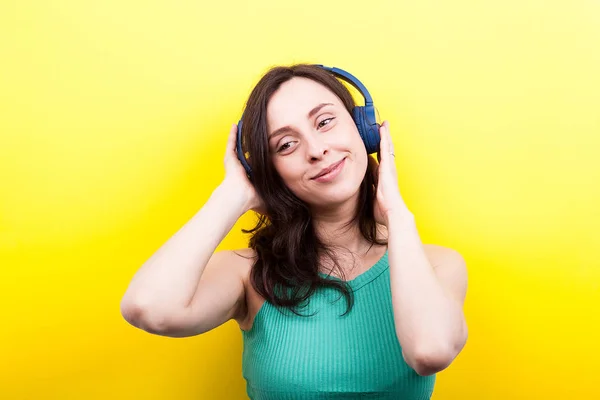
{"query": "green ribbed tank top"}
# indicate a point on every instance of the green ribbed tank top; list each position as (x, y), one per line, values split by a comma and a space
(326, 356)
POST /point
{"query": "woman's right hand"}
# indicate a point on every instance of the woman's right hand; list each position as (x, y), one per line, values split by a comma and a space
(236, 179)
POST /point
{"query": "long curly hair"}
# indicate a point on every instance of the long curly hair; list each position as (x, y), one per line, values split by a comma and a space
(286, 270)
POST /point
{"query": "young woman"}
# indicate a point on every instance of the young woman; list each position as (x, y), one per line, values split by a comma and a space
(333, 225)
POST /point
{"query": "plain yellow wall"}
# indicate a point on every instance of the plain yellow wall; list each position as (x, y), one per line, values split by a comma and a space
(113, 121)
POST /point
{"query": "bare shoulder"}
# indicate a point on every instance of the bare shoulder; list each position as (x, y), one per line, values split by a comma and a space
(246, 258)
(252, 300)
(245, 253)
(440, 255)
(450, 268)
(238, 259)
(241, 261)
(436, 254)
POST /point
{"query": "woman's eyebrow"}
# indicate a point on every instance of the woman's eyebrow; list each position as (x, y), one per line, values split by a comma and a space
(288, 128)
(317, 108)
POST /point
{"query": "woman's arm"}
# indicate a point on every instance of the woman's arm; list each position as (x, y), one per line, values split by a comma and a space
(162, 296)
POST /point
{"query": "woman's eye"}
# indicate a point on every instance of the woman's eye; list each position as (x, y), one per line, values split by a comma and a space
(283, 147)
(321, 124)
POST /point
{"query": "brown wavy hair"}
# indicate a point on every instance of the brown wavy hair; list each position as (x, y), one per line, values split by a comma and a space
(286, 271)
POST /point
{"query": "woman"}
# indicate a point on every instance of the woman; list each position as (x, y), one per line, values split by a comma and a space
(333, 224)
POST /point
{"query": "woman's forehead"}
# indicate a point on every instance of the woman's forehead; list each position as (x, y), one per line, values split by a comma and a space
(295, 99)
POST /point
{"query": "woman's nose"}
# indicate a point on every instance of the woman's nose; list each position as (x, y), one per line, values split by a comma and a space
(317, 147)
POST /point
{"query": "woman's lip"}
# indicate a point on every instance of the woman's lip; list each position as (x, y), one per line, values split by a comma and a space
(331, 175)
(334, 166)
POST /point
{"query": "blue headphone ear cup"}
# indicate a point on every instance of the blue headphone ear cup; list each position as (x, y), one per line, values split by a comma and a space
(240, 152)
(368, 128)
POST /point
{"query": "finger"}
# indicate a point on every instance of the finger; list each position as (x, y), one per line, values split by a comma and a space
(384, 145)
(390, 148)
(381, 143)
(230, 150)
(389, 137)
(231, 140)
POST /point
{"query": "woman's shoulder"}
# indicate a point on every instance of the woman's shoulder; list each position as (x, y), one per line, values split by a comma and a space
(245, 258)
(242, 258)
(245, 253)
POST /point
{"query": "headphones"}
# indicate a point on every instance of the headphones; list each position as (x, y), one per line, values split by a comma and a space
(363, 116)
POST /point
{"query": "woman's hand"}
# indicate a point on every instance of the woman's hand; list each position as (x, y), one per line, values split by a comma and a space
(236, 181)
(388, 199)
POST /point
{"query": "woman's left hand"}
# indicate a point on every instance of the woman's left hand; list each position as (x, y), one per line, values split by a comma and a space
(388, 199)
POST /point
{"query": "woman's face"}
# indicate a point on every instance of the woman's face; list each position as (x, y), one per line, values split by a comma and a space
(310, 130)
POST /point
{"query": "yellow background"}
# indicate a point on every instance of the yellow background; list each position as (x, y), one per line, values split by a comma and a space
(113, 121)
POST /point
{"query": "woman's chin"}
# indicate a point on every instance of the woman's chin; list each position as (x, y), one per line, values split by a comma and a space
(333, 197)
